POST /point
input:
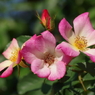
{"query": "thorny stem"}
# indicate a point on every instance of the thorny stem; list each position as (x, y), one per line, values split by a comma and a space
(80, 79)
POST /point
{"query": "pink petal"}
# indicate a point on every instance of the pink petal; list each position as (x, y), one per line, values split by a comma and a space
(58, 70)
(36, 46)
(38, 67)
(67, 59)
(27, 55)
(5, 64)
(68, 49)
(19, 57)
(39, 44)
(33, 48)
(91, 54)
(65, 29)
(7, 72)
(91, 39)
(62, 57)
(11, 48)
(82, 25)
(49, 40)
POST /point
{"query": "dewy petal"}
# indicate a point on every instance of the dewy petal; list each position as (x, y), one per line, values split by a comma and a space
(68, 49)
(65, 29)
(91, 54)
(5, 64)
(39, 68)
(82, 25)
(7, 72)
(58, 70)
(49, 40)
(11, 48)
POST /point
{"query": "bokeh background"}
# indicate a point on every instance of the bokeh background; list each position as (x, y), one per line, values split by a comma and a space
(18, 17)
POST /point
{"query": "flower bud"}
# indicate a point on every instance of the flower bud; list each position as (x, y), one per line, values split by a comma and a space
(46, 20)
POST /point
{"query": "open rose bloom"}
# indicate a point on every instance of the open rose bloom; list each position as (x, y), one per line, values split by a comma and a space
(80, 39)
(13, 56)
(46, 60)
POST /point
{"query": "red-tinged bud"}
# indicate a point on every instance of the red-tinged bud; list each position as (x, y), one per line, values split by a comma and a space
(46, 20)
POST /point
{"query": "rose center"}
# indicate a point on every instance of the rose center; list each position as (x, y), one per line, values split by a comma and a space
(80, 43)
(14, 55)
(49, 58)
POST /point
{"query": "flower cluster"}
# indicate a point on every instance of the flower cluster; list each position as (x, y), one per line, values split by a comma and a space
(47, 59)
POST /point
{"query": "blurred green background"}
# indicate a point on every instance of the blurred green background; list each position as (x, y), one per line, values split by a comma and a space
(18, 17)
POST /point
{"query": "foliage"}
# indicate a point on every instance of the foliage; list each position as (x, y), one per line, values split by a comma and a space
(18, 17)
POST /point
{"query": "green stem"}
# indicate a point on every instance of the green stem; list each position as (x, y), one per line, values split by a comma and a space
(80, 79)
(44, 81)
(18, 70)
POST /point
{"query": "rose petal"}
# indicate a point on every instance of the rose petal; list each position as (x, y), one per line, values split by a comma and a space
(91, 39)
(27, 55)
(58, 70)
(82, 25)
(5, 64)
(68, 49)
(13, 46)
(67, 59)
(39, 68)
(35, 46)
(62, 57)
(49, 40)
(91, 54)
(65, 29)
(7, 72)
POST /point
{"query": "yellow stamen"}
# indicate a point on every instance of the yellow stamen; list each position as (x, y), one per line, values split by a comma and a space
(14, 55)
(81, 43)
(49, 58)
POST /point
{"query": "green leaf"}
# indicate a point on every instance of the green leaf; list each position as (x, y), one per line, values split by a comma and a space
(56, 88)
(45, 88)
(47, 85)
(29, 82)
(88, 77)
(23, 72)
(35, 92)
(68, 92)
(22, 39)
(78, 59)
